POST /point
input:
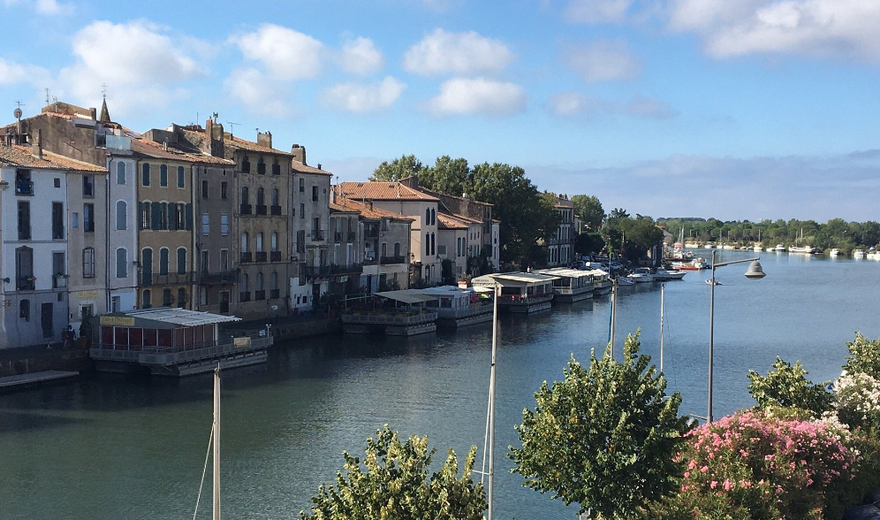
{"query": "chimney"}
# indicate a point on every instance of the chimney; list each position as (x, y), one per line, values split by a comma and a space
(213, 144)
(319, 166)
(37, 145)
(333, 195)
(299, 153)
(93, 113)
(264, 139)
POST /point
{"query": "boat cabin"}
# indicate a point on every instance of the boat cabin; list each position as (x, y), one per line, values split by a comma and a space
(395, 313)
(520, 292)
(572, 285)
(458, 307)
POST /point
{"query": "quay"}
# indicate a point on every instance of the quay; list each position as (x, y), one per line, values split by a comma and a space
(19, 381)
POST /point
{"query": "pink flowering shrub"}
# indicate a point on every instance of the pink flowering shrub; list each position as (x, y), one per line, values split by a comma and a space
(751, 465)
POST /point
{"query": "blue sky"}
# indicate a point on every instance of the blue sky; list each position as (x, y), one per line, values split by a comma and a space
(734, 109)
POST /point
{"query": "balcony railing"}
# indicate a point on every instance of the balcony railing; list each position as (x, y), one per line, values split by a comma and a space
(25, 283)
(246, 257)
(24, 187)
(59, 281)
(245, 209)
(262, 209)
(317, 234)
(173, 278)
(259, 295)
(222, 277)
(261, 256)
(397, 259)
(276, 210)
(244, 296)
(325, 270)
(275, 256)
(274, 294)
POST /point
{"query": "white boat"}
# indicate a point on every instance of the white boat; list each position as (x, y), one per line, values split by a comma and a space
(780, 248)
(642, 275)
(834, 253)
(757, 249)
(805, 250)
(625, 281)
(858, 254)
(691, 245)
(457, 307)
(663, 275)
(709, 282)
(520, 292)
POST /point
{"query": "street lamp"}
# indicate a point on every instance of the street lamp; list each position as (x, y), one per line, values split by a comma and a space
(754, 272)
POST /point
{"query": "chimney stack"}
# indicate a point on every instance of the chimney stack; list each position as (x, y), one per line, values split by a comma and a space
(264, 139)
(299, 153)
(37, 145)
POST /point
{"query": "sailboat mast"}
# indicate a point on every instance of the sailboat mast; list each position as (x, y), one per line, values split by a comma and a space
(216, 506)
(489, 489)
(662, 306)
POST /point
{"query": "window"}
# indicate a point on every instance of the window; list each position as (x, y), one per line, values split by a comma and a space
(427, 216)
(206, 224)
(74, 220)
(224, 259)
(166, 297)
(146, 299)
(121, 263)
(89, 262)
(163, 175)
(181, 177)
(259, 281)
(273, 281)
(223, 188)
(244, 242)
(163, 260)
(397, 249)
(205, 264)
(245, 164)
(427, 244)
(224, 223)
(57, 220)
(120, 173)
(259, 241)
(314, 193)
(24, 310)
(276, 168)
(146, 214)
(274, 241)
(244, 195)
(88, 186)
(89, 218)
(302, 210)
(181, 297)
(24, 220)
(261, 166)
(24, 269)
(145, 175)
(115, 304)
(261, 199)
(181, 260)
(384, 250)
(433, 217)
(302, 185)
(57, 182)
(147, 266)
(204, 189)
(121, 215)
(274, 196)
(433, 244)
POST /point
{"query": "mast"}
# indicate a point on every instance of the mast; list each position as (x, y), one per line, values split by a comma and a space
(491, 421)
(662, 306)
(216, 505)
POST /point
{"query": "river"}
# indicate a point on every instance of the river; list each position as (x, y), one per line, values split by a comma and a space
(121, 447)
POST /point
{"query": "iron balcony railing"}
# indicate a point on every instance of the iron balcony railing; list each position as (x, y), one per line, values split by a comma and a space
(222, 277)
(397, 259)
(246, 257)
(245, 209)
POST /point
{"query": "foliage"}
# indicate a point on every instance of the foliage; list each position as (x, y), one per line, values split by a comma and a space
(631, 237)
(448, 176)
(786, 385)
(405, 166)
(393, 483)
(587, 243)
(589, 209)
(864, 357)
(751, 465)
(858, 401)
(603, 437)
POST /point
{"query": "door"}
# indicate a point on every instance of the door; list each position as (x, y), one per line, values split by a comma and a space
(46, 315)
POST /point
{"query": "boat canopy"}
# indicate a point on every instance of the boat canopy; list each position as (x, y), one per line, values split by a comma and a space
(165, 315)
(513, 278)
(408, 296)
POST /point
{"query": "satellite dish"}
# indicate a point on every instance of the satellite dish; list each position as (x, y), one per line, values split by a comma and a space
(16, 113)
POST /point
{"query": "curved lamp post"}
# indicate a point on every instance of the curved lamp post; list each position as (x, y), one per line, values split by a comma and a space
(754, 272)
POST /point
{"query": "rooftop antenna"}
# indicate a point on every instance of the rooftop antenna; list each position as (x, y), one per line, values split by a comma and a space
(48, 99)
(231, 128)
(104, 90)
(215, 115)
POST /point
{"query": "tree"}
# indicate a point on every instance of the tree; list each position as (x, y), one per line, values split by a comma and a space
(589, 209)
(396, 485)
(405, 166)
(787, 386)
(448, 176)
(604, 437)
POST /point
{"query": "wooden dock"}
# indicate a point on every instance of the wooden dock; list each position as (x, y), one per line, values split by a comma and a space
(34, 378)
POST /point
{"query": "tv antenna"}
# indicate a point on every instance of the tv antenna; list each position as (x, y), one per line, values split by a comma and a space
(231, 128)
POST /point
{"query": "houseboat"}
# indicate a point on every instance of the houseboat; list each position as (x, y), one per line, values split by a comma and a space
(406, 312)
(174, 342)
(572, 286)
(457, 307)
(520, 292)
(602, 282)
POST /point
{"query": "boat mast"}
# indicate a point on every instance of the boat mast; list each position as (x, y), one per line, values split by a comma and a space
(662, 306)
(491, 421)
(216, 506)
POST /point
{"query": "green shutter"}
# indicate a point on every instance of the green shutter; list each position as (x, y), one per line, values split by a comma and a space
(189, 217)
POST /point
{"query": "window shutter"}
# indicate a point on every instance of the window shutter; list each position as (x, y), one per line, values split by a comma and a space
(189, 217)
(156, 216)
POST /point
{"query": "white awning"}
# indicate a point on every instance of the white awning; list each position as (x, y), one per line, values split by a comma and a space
(407, 296)
(184, 317)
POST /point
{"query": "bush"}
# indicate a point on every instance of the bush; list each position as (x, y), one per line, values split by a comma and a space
(750, 465)
(864, 357)
(787, 386)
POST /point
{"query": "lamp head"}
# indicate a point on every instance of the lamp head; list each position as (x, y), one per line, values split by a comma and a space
(755, 271)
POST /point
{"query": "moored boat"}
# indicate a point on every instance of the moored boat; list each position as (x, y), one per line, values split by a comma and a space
(573, 285)
(663, 275)
(458, 307)
(858, 254)
(834, 253)
(395, 313)
(520, 292)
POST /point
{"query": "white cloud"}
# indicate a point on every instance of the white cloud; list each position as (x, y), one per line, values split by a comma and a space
(360, 56)
(596, 11)
(478, 96)
(603, 60)
(817, 28)
(258, 93)
(11, 72)
(569, 104)
(285, 53)
(51, 7)
(363, 98)
(442, 52)
(137, 60)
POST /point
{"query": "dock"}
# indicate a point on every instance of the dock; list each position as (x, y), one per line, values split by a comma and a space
(35, 378)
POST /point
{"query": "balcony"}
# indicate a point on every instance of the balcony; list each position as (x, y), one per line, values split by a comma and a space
(25, 283)
(317, 234)
(59, 281)
(337, 237)
(275, 210)
(275, 256)
(262, 209)
(173, 278)
(274, 294)
(327, 270)
(370, 259)
(261, 256)
(352, 236)
(246, 257)
(223, 277)
(244, 296)
(24, 187)
(259, 295)
(245, 209)
(398, 259)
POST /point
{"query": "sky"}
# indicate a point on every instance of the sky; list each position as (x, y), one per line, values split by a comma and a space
(732, 109)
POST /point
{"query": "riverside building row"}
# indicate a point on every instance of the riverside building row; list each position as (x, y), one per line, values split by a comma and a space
(97, 218)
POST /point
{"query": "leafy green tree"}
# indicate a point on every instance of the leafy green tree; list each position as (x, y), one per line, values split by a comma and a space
(587, 243)
(864, 357)
(448, 176)
(393, 484)
(787, 386)
(405, 166)
(589, 209)
(604, 437)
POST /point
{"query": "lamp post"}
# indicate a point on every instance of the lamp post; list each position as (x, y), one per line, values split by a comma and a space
(754, 272)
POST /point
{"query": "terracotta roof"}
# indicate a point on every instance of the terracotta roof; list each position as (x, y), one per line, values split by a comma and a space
(366, 210)
(18, 155)
(304, 168)
(154, 150)
(383, 191)
(238, 142)
(451, 221)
